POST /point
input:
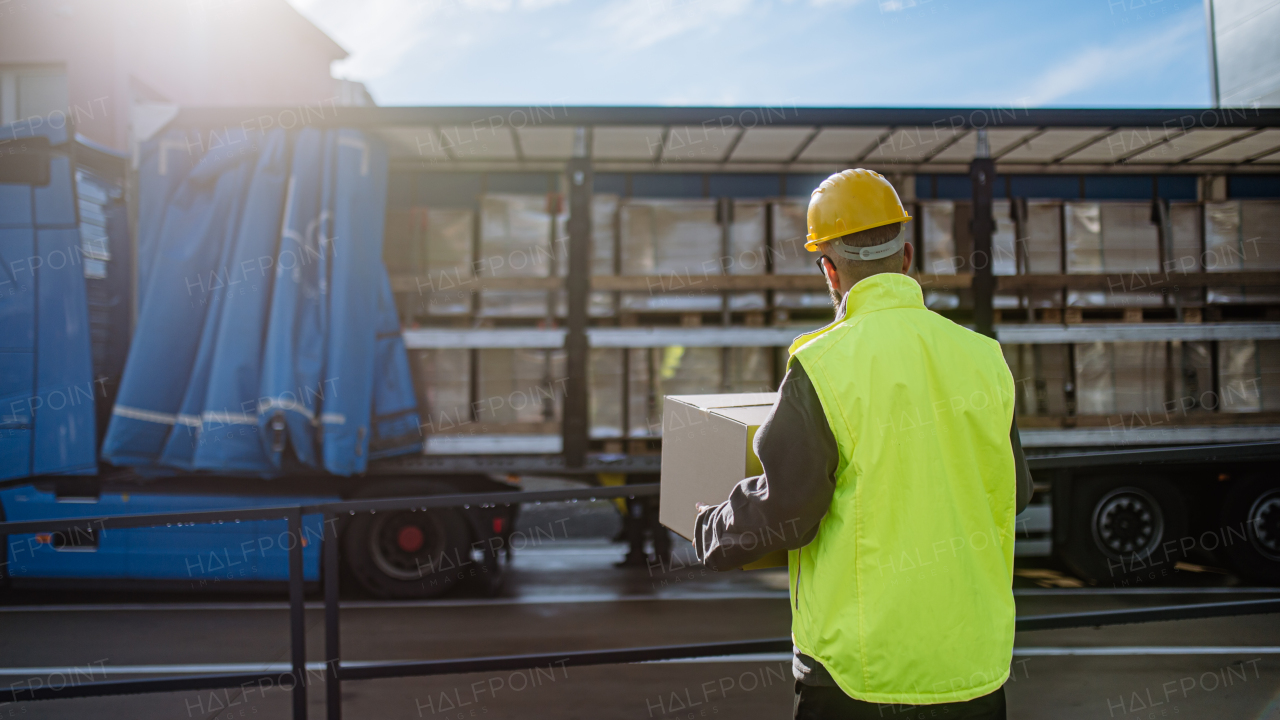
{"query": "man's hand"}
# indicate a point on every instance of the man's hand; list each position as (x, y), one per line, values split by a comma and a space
(701, 506)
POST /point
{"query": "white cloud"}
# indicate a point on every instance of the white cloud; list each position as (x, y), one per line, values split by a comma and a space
(1095, 66)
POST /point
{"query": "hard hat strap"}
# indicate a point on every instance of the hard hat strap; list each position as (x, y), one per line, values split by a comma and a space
(875, 252)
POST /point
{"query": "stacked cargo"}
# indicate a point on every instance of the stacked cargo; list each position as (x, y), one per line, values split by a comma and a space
(1249, 375)
(790, 226)
(486, 266)
(1114, 237)
(1242, 235)
(659, 263)
(517, 241)
(677, 239)
(1153, 252)
(441, 247)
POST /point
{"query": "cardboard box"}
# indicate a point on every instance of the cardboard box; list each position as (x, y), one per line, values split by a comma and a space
(706, 450)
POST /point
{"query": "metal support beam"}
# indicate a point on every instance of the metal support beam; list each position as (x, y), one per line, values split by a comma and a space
(982, 173)
(332, 645)
(297, 618)
(575, 424)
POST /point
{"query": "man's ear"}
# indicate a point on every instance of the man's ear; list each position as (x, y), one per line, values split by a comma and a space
(833, 276)
(908, 254)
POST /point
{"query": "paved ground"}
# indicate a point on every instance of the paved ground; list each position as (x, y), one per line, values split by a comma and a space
(565, 595)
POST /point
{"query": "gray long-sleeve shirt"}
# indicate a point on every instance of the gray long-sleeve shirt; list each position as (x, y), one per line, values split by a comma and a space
(782, 508)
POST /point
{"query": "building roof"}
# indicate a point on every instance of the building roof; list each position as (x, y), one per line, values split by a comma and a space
(336, 51)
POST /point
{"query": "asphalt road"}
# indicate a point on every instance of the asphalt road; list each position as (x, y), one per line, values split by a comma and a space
(567, 596)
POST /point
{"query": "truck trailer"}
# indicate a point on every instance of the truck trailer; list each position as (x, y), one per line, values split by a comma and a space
(517, 288)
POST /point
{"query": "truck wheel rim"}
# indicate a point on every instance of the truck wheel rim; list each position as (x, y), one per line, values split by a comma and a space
(1264, 525)
(390, 554)
(1127, 523)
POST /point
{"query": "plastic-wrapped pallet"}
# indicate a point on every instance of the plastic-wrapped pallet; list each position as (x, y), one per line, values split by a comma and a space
(443, 380)
(1112, 237)
(1126, 378)
(1249, 375)
(677, 239)
(1084, 237)
(1042, 248)
(937, 218)
(1242, 235)
(441, 252)
(605, 399)
(1184, 248)
(1043, 245)
(746, 251)
(604, 214)
(515, 241)
(1004, 241)
(657, 372)
(748, 369)
(520, 388)
(790, 225)
(1004, 251)
(1015, 356)
(1040, 374)
(644, 407)
(1117, 379)
(961, 257)
(1193, 378)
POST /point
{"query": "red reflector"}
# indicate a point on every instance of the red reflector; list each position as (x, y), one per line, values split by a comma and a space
(497, 525)
(410, 538)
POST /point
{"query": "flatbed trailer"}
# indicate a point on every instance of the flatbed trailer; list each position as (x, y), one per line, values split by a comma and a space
(1123, 496)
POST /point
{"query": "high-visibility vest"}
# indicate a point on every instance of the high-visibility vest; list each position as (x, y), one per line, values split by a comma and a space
(906, 593)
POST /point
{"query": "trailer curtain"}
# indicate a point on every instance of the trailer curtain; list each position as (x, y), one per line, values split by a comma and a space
(47, 386)
(267, 340)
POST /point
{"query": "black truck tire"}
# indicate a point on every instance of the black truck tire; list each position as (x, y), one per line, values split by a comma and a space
(1120, 529)
(408, 553)
(1250, 532)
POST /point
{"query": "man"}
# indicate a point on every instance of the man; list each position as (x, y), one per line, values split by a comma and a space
(892, 464)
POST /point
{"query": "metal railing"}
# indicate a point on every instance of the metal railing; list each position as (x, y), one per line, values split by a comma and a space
(334, 672)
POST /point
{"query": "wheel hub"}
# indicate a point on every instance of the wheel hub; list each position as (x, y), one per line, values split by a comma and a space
(1264, 524)
(406, 546)
(1127, 522)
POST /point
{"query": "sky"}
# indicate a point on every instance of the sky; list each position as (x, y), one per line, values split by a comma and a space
(844, 53)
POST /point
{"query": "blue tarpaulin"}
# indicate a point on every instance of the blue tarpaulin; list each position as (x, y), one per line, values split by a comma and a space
(265, 324)
(46, 368)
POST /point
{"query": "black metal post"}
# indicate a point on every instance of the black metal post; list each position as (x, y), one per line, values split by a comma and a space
(982, 172)
(332, 650)
(575, 424)
(297, 618)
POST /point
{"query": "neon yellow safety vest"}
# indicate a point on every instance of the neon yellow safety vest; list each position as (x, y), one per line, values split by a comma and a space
(906, 593)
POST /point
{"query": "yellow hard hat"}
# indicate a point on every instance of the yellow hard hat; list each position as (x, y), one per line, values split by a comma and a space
(851, 201)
